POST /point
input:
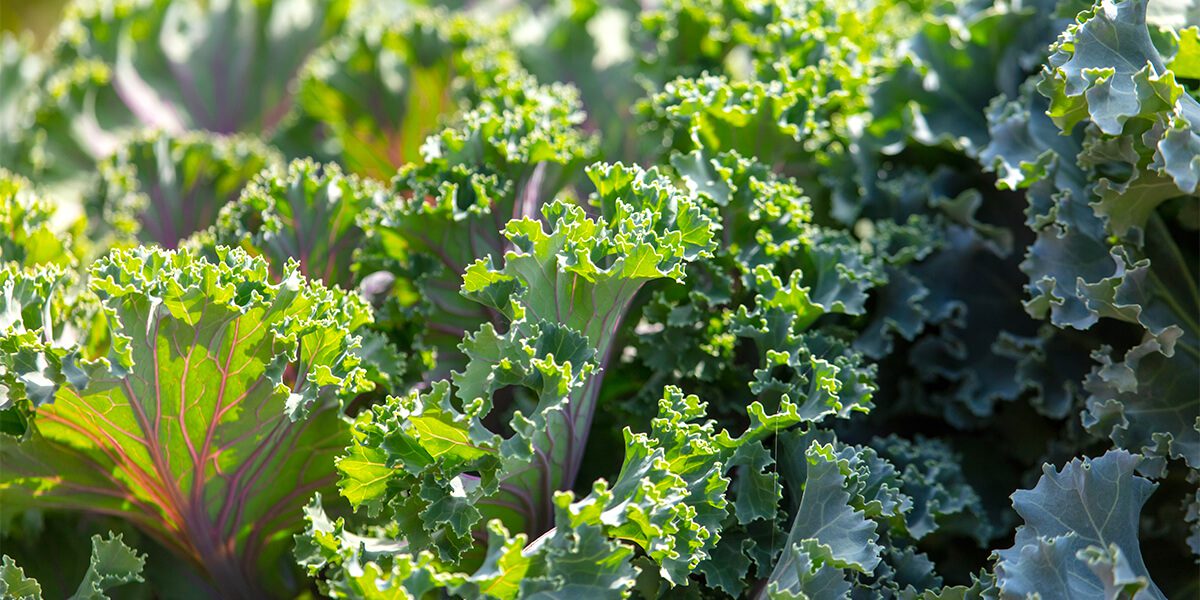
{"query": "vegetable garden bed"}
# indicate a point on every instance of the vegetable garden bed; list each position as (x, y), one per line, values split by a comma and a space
(691, 299)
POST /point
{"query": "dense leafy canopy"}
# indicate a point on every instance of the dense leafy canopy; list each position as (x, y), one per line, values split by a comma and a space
(697, 299)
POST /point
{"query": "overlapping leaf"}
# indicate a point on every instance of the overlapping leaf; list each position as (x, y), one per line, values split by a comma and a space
(31, 230)
(1080, 533)
(112, 564)
(215, 375)
(385, 85)
(503, 160)
(307, 212)
(179, 66)
(666, 500)
(160, 189)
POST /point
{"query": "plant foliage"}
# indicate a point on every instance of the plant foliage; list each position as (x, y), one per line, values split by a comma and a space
(688, 299)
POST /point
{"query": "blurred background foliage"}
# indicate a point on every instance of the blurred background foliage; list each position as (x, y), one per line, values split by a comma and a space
(35, 16)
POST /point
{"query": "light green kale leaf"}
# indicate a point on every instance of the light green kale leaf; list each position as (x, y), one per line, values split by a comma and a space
(112, 564)
(215, 378)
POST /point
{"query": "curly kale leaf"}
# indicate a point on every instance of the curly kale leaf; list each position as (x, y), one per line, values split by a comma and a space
(307, 212)
(1080, 537)
(216, 375)
(112, 564)
(160, 189)
(33, 232)
(503, 160)
(667, 501)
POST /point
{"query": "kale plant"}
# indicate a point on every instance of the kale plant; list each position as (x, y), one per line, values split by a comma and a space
(684, 299)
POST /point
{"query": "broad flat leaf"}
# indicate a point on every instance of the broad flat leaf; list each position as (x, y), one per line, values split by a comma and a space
(1075, 519)
(216, 374)
(122, 68)
(181, 66)
(1186, 62)
(951, 72)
